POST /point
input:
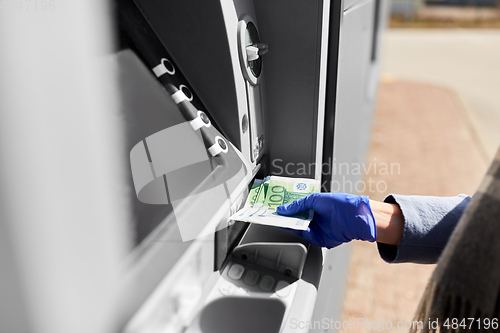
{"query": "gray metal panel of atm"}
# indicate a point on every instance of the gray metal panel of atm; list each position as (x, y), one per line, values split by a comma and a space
(359, 29)
(292, 29)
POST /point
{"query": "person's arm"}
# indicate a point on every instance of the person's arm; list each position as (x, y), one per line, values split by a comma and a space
(406, 228)
(389, 221)
(428, 224)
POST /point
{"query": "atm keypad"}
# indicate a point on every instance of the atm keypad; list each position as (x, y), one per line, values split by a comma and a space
(255, 279)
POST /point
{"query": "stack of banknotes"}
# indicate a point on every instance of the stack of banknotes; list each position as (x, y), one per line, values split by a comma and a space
(268, 193)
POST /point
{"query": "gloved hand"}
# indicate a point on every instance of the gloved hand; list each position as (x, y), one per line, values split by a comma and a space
(338, 218)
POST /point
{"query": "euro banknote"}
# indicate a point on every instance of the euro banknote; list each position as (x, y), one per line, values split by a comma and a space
(267, 194)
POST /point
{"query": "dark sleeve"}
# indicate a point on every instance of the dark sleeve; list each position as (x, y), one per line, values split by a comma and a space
(429, 222)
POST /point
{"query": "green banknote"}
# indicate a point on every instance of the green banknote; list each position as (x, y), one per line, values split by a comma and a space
(263, 190)
(283, 190)
(272, 192)
(254, 192)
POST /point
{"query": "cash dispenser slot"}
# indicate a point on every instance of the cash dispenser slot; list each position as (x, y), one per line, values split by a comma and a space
(273, 248)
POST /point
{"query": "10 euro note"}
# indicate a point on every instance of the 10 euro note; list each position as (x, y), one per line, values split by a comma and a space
(273, 192)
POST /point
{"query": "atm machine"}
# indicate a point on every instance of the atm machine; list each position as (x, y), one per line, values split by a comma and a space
(216, 93)
(152, 151)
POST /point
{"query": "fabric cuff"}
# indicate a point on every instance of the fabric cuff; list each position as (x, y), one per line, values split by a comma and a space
(429, 222)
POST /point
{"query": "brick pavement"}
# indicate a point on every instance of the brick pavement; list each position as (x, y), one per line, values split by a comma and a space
(423, 128)
(450, 13)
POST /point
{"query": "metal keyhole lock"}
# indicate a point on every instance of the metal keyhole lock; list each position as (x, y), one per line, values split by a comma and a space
(251, 50)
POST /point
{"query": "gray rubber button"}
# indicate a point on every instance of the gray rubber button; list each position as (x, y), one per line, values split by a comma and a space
(251, 278)
(236, 271)
(267, 283)
(282, 289)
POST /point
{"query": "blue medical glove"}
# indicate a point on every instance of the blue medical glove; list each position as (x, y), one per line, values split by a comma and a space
(338, 218)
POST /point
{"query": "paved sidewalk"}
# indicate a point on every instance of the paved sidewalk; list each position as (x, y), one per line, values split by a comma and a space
(463, 60)
(423, 129)
(458, 13)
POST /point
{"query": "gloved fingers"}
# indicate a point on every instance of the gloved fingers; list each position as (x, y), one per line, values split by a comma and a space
(308, 235)
(298, 232)
(321, 237)
(311, 237)
(297, 206)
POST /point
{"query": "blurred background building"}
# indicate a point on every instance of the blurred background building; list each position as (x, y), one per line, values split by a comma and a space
(438, 116)
(439, 13)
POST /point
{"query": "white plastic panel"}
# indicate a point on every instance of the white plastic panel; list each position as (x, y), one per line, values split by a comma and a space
(353, 116)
